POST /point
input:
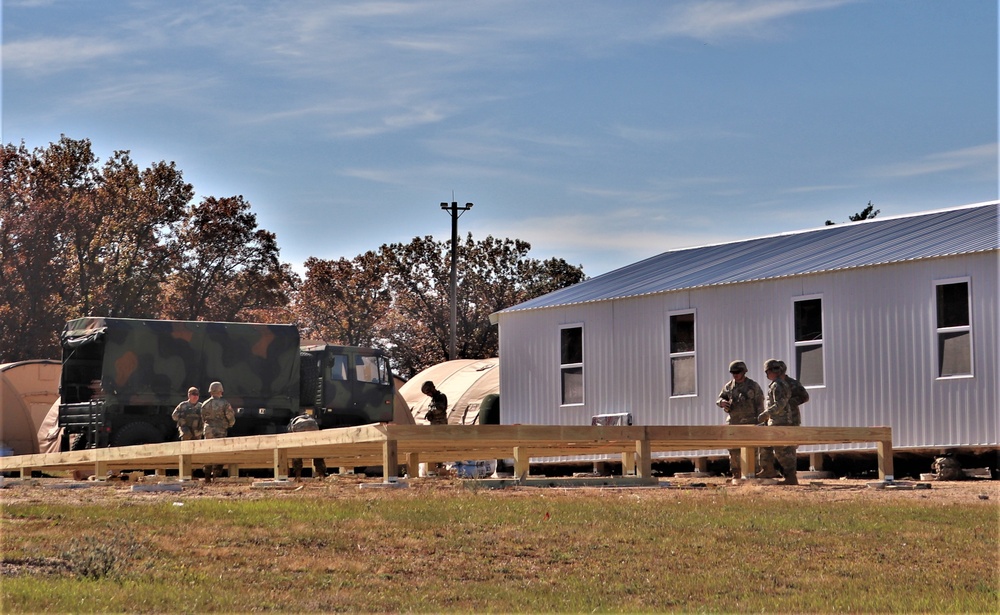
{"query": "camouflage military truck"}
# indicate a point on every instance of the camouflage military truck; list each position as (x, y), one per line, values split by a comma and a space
(122, 378)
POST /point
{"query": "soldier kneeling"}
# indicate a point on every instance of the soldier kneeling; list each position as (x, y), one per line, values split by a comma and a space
(304, 422)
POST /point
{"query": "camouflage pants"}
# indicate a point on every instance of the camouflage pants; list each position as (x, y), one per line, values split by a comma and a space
(214, 470)
(319, 467)
(187, 433)
(783, 455)
(735, 466)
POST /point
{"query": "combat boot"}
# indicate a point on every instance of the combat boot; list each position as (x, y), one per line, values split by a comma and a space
(790, 479)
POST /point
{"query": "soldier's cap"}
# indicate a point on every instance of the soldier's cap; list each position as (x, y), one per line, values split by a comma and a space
(737, 367)
(772, 365)
(193, 391)
(215, 386)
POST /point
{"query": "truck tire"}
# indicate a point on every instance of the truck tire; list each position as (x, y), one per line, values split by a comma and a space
(137, 433)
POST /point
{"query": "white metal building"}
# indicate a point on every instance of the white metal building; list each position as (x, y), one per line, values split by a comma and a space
(891, 321)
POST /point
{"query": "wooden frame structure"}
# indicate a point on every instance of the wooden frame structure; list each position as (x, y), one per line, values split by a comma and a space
(389, 445)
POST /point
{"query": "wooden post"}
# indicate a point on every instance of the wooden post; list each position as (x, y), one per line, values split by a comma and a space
(885, 469)
(390, 454)
(413, 465)
(521, 462)
(101, 469)
(748, 462)
(159, 472)
(628, 463)
(643, 459)
(25, 472)
(815, 462)
(234, 470)
(701, 464)
(184, 467)
(280, 464)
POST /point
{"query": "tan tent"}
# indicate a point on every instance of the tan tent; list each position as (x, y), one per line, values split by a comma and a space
(466, 382)
(27, 391)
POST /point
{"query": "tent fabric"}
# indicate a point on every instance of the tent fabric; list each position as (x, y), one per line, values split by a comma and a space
(466, 382)
(27, 390)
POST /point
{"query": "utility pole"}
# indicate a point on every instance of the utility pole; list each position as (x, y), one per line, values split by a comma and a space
(456, 213)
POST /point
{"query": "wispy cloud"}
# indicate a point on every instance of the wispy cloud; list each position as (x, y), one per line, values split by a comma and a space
(975, 157)
(50, 55)
(715, 20)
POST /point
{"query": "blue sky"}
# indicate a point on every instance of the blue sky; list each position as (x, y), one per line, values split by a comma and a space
(601, 132)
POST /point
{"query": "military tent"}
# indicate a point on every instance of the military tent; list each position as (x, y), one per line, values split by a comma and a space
(466, 383)
(27, 391)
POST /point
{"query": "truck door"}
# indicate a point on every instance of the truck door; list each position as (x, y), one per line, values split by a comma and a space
(372, 397)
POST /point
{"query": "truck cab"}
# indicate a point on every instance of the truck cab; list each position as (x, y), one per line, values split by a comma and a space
(346, 385)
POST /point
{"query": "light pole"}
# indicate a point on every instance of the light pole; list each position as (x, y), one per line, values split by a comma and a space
(456, 213)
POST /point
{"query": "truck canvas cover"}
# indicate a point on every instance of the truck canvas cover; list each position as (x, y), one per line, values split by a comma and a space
(150, 362)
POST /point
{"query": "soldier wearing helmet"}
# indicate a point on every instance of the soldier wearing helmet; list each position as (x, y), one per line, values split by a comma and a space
(742, 399)
(437, 413)
(187, 415)
(777, 412)
(217, 416)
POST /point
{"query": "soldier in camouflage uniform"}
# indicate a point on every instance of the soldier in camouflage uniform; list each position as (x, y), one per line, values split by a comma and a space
(437, 414)
(777, 412)
(798, 395)
(742, 399)
(947, 468)
(304, 422)
(217, 416)
(187, 415)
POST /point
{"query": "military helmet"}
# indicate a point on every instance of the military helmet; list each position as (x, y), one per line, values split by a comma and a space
(737, 367)
(772, 365)
(427, 388)
(215, 386)
(782, 367)
(193, 391)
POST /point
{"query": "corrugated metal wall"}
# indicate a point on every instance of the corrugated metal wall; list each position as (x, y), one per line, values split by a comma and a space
(880, 353)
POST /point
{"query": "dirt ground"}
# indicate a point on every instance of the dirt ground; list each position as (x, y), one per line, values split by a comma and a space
(982, 492)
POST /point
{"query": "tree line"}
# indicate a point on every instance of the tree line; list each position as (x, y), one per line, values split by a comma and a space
(81, 238)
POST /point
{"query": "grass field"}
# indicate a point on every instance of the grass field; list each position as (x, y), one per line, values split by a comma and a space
(443, 547)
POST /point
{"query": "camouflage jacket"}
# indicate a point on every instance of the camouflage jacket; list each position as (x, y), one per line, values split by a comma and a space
(798, 395)
(216, 413)
(746, 401)
(188, 415)
(437, 414)
(777, 409)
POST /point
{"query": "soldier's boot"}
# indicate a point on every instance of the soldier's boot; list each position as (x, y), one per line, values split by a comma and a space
(319, 469)
(790, 478)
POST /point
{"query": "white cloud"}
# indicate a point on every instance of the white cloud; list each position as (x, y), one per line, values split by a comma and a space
(50, 55)
(969, 158)
(715, 20)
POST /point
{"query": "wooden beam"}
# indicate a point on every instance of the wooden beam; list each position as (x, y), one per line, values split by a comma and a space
(885, 469)
(521, 463)
(390, 459)
(748, 462)
(184, 467)
(644, 459)
(280, 464)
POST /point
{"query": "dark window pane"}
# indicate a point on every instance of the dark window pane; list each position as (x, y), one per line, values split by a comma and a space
(808, 320)
(809, 364)
(338, 371)
(572, 385)
(955, 353)
(572, 345)
(953, 305)
(682, 376)
(682, 333)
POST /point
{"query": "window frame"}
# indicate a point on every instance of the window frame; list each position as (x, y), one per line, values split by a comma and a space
(563, 367)
(693, 353)
(939, 331)
(820, 343)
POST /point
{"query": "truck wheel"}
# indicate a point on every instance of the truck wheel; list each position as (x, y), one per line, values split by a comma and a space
(137, 433)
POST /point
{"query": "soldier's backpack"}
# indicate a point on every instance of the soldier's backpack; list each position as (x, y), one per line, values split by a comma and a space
(303, 422)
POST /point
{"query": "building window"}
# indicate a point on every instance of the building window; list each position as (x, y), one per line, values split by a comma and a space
(954, 329)
(683, 375)
(571, 364)
(809, 341)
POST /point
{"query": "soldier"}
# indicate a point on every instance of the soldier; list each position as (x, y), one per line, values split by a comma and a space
(777, 413)
(438, 412)
(798, 395)
(187, 415)
(217, 416)
(304, 422)
(743, 400)
(947, 468)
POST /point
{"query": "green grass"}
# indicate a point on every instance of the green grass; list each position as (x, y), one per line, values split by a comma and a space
(482, 551)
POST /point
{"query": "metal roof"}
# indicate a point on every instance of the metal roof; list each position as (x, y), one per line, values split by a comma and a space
(962, 230)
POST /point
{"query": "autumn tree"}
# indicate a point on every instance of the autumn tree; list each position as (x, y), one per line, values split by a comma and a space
(493, 274)
(344, 301)
(229, 267)
(36, 186)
